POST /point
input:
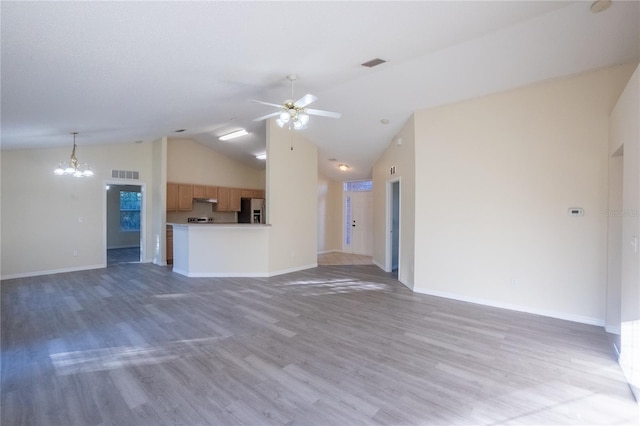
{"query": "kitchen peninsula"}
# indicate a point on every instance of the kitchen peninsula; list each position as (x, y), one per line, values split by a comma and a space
(220, 250)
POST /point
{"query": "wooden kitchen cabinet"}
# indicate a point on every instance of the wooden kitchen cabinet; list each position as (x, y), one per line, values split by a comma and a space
(252, 193)
(234, 199)
(172, 197)
(169, 245)
(228, 199)
(223, 199)
(212, 192)
(185, 197)
(199, 191)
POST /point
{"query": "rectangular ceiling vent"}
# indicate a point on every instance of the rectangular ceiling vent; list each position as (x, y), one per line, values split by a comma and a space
(374, 62)
(125, 174)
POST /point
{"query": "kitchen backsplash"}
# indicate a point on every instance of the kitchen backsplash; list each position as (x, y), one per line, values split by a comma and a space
(203, 210)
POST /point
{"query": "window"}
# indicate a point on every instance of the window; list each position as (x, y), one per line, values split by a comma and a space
(130, 203)
(358, 186)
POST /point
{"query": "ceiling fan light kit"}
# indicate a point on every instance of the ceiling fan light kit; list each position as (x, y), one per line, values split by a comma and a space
(295, 115)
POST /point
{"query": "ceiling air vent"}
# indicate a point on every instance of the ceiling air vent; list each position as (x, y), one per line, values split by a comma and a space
(125, 174)
(374, 62)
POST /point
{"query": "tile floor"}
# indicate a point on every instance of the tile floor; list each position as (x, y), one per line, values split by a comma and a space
(339, 258)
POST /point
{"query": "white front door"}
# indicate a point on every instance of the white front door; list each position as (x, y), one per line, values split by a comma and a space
(359, 222)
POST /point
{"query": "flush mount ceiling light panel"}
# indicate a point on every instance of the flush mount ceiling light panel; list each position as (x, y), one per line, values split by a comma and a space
(233, 135)
(261, 156)
(343, 167)
(295, 115)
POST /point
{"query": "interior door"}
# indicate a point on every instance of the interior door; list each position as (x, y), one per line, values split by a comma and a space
(359, 222)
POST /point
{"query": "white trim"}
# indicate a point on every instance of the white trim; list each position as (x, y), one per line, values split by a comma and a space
(51, 271)
(511, 307)
(295, 269)
(613, 329)
(388, 255)
(242, 274)
(143, 213)
(375, 262)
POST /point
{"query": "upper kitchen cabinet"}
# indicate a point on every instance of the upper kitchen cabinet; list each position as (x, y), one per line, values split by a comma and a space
(199, 191)
(172, 197)
(252, 193)
(228, 199)
(211, 192)
(185, 197)
(203, 191)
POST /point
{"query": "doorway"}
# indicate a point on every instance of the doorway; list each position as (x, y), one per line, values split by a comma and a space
(392, 257)
(124, 224)
(358, 218)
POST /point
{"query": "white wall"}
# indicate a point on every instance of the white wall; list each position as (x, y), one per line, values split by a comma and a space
(625, 133)
(329, 214)
(191, 162)
(495, 178)
(401, 154)
(292, 200)
(40, 211)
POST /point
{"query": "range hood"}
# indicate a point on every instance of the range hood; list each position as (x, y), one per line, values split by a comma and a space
(205, 200)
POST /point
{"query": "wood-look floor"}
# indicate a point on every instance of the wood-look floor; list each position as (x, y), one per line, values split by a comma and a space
(137, 344)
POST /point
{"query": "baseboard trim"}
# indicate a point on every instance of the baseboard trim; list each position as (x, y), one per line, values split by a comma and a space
(290, 270)
(242, 274)
(512, 307)
(378, 265)
(613, 329)
(51, 272)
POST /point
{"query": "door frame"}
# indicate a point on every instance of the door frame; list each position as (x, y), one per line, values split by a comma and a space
(143, 214)
(388, 256)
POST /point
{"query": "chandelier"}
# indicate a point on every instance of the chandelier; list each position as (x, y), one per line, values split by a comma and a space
(72, 167)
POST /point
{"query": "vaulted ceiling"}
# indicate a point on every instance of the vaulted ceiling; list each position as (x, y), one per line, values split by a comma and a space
(119, 72)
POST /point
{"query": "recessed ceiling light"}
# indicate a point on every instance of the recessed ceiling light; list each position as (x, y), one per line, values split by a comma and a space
(261, 156)
(343, 167)
(385, 121)
(233, 135)
(600, 5)
(179, 130)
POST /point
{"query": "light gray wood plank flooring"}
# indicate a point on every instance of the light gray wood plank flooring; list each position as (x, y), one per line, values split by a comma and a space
(336, 345)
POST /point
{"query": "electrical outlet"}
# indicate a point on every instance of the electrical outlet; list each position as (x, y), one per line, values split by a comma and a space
(80, 219)
(75, 253)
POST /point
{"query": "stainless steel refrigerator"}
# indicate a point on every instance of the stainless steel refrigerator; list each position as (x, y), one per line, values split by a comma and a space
(251, 210)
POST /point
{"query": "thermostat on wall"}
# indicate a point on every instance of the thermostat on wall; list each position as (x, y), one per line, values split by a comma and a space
(576, 211)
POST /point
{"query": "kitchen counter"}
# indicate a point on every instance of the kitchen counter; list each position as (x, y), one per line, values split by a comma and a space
(226, 225)
(220, 249)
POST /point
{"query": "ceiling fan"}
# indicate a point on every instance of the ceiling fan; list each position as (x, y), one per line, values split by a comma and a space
(295, 115)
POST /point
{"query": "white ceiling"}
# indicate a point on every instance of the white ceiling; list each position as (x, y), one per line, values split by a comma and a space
(118, 72)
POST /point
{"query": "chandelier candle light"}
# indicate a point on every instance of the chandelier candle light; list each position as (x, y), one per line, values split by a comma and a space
(72, 167)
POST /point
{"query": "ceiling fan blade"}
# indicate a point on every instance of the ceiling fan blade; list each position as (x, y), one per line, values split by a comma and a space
(305, 100)
(323, 113)
(264, 117)
(265, 103)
